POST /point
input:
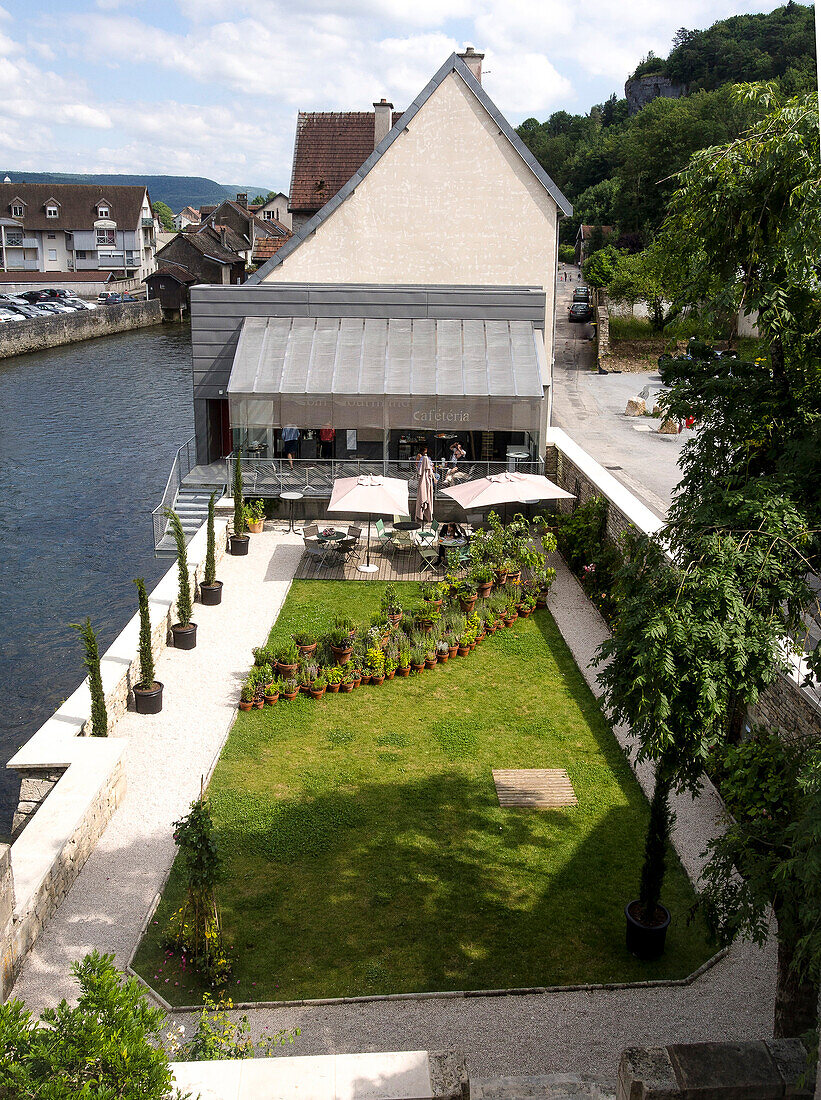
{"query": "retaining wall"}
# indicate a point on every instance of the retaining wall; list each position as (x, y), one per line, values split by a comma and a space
(72, 783)
(788, 706)
(38, 333)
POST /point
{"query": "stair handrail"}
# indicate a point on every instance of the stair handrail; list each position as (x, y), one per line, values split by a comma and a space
(175, 478)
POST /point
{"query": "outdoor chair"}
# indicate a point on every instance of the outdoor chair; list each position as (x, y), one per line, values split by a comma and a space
(429, 553)
(402, 541)
(310, 532)
(349, 546)
(318, 551)
(383, 535)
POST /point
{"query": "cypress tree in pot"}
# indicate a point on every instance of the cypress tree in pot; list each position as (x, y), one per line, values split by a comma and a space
(147, 690)
(238, 541)
(211, 588)
(183, 632)
(99, 715)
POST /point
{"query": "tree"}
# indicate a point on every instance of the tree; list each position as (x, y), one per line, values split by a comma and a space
(99, 715)
(598, 269)
(641, 278)
(239, 502)
(105, 1046)
(165, 214)
(184, 606)
(259, 200)
(767, 862)
(147, 676)
(210, 569)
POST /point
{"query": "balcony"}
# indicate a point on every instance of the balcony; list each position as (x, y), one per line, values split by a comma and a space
(29, 242)
(147, 223)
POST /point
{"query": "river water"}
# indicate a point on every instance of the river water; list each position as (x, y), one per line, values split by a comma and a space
(87, 436)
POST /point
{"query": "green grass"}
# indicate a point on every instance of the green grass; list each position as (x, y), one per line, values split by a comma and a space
(366, 851)
(639, 328)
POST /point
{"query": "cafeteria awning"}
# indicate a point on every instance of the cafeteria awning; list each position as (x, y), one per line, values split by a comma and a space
(396, 372)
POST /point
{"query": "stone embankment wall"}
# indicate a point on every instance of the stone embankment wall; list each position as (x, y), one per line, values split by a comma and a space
(787, 706)
(602, 329)
(72, 783)
(38, 333)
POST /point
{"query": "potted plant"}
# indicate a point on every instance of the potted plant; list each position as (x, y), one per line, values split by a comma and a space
(334, 677)
(183, 632)
(99, 715)
(647, 919)
(453, 644)
(357, 676)
(426, 615)
(290, 688)
(512, 571)
(254, 515)
(306, 676)
(527, 605)
(272, 692)
(287, 659)
(430, 657)
(246, 697)
(346, 683)
(482, 577)
(541, 583)
(211, 588)
(306, 641)
(442, 651)
(465, 643)
(340, 643)
(431, 592)
(343, 622)
(467, 596)
(390, 668)
(318, 685)
(391, 607)
(238, 540)
(417, 660)
(403, 661)
(148, 689)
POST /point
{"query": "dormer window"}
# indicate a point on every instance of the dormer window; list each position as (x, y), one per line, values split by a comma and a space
(103, 211)
(18, 211)
(52, 212)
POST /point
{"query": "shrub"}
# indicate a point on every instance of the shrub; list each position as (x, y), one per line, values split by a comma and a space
(99, 715)
(239, 503)
(184, 588)
(147, 676)
(210, 548)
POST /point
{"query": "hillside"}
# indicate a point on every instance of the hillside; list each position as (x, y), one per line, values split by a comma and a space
(620, 170)
(175, 191)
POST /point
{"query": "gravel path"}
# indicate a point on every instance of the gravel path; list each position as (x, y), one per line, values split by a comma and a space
(166, 756)
(570, 1032)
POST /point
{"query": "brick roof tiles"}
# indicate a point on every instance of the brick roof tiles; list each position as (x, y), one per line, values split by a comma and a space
(330, 147)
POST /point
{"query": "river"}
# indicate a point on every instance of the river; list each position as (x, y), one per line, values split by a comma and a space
(87, 437)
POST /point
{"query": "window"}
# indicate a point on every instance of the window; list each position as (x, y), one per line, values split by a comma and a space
(52, 236)
(52, 253)
(18, 212)
(103, 212)
(105, 238)
(52, 212)
(80, 254)
(14, 238)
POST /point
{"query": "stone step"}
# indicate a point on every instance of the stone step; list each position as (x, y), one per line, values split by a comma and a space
(544, 1086)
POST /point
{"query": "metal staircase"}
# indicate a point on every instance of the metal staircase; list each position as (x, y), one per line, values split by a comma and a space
(191, 505)
(187, 492)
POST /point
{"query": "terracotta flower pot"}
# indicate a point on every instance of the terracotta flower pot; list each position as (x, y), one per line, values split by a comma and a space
(510, 619)
(484, 589)
(416, 666)
(342, 654)
(272, 698)
(333, 688)
(443, 657)
(541, 600)
(316, 693)
(390, 675)
(259, 703)
(306, 650)
(377, 680)
(394, 620)
(463, 650)
(430, 662)
(514, 578)
(346, 688)
(501, 577)
(434, 603)
(357, 681)
(255, 526)
(403, 671)
(246, 704)
(286, 671)
(289, 695)
(467, 603)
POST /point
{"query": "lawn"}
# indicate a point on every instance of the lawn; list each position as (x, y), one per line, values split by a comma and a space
(366, 852)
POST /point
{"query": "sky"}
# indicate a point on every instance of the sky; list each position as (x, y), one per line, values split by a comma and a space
(212, 87)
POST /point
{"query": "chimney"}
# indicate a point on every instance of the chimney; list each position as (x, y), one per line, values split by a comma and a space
(224, 238)
(382, 120)
(473, 61)
(242, 199)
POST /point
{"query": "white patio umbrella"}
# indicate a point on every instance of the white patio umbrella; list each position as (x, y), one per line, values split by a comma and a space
(505, 488)
(369, 495)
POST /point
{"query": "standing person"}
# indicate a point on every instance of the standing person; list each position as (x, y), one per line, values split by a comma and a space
(457, 453)
(327, 435)
(290, 442)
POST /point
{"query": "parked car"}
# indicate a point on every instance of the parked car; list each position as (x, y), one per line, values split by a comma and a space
(22, 307)
(580, 311)
(110, 297)
(54, 293)
(78, 303)
(53, 306)
(9, 315)
(35, 296)
(581, 294)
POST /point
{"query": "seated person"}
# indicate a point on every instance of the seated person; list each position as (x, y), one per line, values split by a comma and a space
(457, 452)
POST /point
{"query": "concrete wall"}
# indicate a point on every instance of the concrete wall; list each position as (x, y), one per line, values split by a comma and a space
(63, 280)
(787, 706)
(73, 783)
(38, 333)
(449, 202)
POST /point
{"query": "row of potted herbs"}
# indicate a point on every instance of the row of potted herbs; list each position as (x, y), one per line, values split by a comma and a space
(448, 621)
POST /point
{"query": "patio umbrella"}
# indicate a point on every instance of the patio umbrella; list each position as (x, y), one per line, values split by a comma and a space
(424, 494)
(505, 488)
(369, 496)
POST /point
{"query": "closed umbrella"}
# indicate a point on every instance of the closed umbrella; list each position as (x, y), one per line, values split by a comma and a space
(505, 488)
(424, 493)
(369, 495)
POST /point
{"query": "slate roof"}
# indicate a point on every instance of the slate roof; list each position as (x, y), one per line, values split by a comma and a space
(206, 242)
(454, 64)
(233, 241)
(329, 147)
(77, 204)
(175, 271)
(266, 247)
(190, 213)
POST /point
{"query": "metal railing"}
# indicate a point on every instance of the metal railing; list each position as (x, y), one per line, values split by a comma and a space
(268, 477)
(184, 461)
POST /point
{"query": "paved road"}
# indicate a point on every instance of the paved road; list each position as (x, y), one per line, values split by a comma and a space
(590, 407)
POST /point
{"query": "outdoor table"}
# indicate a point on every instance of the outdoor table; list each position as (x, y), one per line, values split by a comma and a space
(291, 497)
(450, 543)
(407, 525)
(333, 536)
(515, 457)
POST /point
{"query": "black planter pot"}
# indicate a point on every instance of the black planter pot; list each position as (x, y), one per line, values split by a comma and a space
(211, 594)
(148, 700)
(238, 545)
(185, 637)
(645, 941)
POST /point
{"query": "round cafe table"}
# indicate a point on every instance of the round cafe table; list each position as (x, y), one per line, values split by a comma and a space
(334, 536)
(452, 543)
(291, 497)
(407, 525)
